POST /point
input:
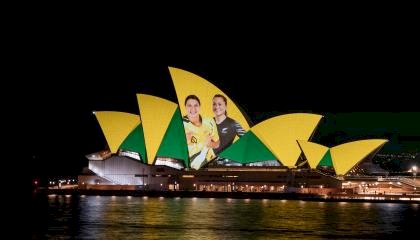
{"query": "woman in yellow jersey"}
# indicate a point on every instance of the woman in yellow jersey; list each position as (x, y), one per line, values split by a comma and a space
(201, 133)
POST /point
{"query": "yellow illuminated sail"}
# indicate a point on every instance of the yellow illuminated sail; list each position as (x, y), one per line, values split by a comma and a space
(280, 133)
(187, 83)
(314, 152)
(156, 114)
(347, 155)
(116, 126)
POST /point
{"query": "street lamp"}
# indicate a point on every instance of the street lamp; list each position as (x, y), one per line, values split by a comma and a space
(414, 169)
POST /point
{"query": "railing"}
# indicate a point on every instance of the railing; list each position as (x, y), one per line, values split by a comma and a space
(327, 175)
(362, 177)
(410, 182)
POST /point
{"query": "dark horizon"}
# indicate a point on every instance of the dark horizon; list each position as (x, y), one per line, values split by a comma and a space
(353, 109)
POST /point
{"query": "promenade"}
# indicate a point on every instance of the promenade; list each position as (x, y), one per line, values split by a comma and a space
(403, 198)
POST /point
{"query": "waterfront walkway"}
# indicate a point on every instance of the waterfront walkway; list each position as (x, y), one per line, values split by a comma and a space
(407, 198)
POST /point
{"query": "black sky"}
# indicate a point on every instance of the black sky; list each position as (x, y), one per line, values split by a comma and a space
(67, 78)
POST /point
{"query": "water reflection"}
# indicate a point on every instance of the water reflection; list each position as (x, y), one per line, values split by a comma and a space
(116, 217)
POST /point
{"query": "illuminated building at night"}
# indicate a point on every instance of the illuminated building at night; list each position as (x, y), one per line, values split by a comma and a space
(161, 148)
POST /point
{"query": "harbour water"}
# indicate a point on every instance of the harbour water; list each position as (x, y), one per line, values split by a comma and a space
(126, 217)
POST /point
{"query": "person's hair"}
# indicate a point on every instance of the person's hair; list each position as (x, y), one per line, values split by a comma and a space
(192, 97)
(224, 99)
(221, 96)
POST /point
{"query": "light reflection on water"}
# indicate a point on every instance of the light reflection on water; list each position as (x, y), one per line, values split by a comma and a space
(116, 217)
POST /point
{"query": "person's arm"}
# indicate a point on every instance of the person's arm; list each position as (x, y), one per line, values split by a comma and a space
(240, 131)
(189, 135)
(213, 144)
(213, 140)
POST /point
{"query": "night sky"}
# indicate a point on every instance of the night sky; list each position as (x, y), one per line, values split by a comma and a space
(361, 92)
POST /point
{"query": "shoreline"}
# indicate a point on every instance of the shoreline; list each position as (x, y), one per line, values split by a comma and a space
(238, 195)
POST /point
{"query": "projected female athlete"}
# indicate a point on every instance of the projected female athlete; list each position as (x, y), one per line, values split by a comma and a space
(227, 128)
(201, 133)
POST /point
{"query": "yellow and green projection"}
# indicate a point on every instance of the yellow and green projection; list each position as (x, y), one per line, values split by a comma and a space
(160, 131)
(342, 157)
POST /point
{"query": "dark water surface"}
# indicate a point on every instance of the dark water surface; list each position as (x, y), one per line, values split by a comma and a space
(104, 217)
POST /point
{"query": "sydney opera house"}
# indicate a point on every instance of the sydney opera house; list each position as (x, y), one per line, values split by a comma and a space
(152, 150)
